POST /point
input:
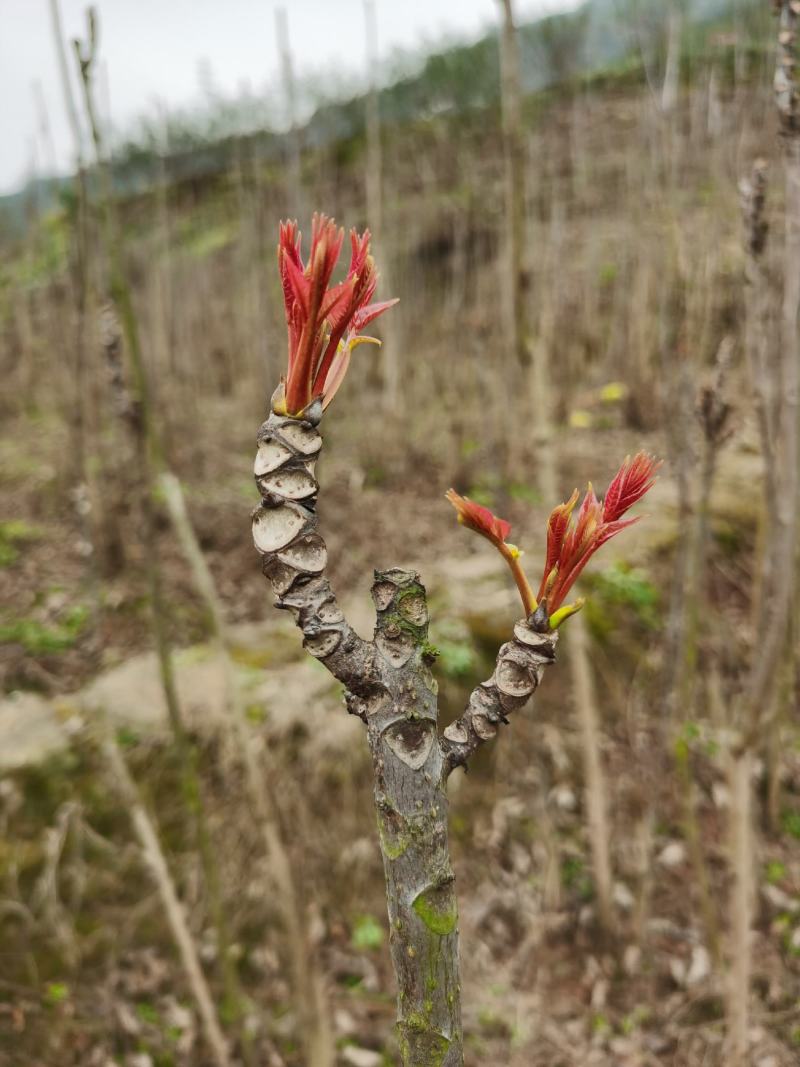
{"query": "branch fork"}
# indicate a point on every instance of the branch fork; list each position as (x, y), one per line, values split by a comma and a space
(294, 559)
(390, 687)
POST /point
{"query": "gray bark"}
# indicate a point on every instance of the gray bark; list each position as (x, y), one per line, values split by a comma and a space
(520, 663)
(390, 687)
(411, 804)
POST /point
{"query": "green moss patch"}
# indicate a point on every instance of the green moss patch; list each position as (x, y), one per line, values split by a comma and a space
(438, 909)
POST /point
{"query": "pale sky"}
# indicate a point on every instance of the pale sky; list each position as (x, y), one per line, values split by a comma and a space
(152, 51)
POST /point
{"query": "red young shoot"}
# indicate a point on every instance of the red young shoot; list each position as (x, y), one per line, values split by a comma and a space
(571, 540)
(482, 521)
(323, 322)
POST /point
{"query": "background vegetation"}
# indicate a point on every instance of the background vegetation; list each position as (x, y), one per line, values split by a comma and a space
(636, 289)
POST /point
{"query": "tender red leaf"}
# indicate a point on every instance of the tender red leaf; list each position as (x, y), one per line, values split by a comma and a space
(478, 518)
(634, 478)
(317, 314)
(572, 541)
(364, 316)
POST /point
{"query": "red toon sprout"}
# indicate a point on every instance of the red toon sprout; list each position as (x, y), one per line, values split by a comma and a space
(323, 322)
(634, 478)
(571, 540)
(482, 521)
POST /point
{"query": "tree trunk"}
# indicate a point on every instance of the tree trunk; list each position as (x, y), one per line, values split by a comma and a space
(390, 687)
(411, 804)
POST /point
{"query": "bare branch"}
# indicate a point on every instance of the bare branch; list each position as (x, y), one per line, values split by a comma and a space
(295, 555)
(520, 663)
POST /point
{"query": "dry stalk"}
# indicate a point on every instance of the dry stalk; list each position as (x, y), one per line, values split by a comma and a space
(672, 69)
(680, 642)
(99, 528)
(787, 457)
(514, 156)
(742, 898)
(46, 897)
(173, 911)
(713, 416)
(294, 173)
(393, 395)
(585, 698)
(681, 459)
(577, 652)
(133, 398)
(761, 352)
(308, 982)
